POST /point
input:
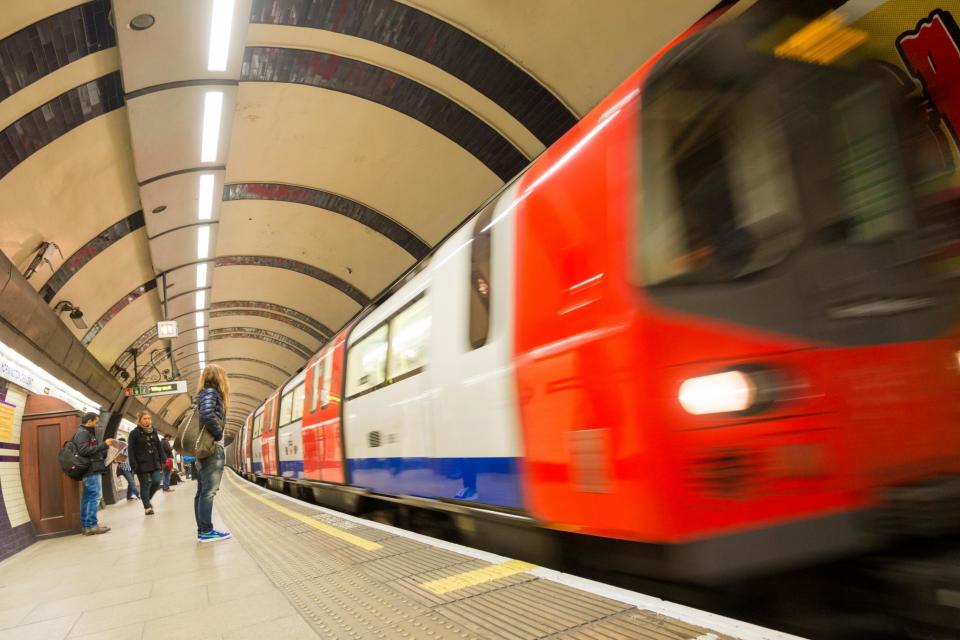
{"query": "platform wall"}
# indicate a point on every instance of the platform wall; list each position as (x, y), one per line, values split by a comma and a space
(16, 532)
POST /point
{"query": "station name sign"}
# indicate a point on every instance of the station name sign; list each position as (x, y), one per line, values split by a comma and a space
(157, 389)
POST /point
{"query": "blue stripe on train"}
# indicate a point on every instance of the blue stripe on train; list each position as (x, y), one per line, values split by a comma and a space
(257, 467)
(494, 481)
(291, 468)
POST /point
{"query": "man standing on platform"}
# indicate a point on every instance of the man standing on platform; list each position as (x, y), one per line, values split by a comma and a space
(87, 446)
(168, 465)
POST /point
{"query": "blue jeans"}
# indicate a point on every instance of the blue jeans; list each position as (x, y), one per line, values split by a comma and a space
(166, 479)
(90, 500)
(209, 473)
(132, 491)
(149, 485)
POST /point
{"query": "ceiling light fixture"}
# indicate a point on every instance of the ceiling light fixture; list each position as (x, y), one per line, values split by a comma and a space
(201, 275)
(205, 211)
(201, 300)
(221, 22)
(203, 242)
(212, 107)
(201, 334)
(142, 22)
(198, 318)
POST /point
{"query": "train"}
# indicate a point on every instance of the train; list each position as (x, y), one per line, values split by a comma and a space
(705, 327)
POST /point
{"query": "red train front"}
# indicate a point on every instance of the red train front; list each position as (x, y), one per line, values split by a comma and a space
(729, 334)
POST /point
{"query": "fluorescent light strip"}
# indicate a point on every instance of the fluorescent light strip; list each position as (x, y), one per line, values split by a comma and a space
(201, 334)
(212, 107)
(198, 318)
(201, 300)
(205, 209)
(220, 23)
(201, 347)
(203, 243)
(201, 275)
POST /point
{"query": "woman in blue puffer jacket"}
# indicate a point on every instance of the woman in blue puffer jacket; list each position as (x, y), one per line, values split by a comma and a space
(212, 405)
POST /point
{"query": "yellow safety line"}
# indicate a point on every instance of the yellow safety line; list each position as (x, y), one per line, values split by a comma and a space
(363, 543)
(477, 576)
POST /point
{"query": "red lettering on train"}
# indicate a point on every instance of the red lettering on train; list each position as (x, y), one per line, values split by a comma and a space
(932, 55)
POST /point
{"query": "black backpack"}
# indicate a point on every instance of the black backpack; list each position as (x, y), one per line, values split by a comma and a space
(72, 463)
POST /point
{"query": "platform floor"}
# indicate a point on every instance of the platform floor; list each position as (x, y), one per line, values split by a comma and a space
(294, 570)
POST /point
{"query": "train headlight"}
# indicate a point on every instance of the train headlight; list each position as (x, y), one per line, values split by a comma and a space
(727, 392)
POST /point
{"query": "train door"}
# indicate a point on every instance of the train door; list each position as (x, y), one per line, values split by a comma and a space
(246, 465)
(476, 430)
(268, 439)
(256, 456)
(290, 428)
(322, 449)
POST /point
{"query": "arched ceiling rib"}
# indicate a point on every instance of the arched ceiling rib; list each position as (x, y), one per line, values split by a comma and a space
(354, 136)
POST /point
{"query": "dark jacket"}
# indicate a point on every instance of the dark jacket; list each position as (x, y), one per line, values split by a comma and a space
(145, 451)
(167, 448)
(212, 413)
(88, 447)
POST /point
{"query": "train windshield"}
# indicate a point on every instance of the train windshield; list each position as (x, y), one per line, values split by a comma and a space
(739, 175)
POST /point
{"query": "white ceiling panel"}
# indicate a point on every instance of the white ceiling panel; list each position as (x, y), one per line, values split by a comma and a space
(180, 197)
(167, 129)
(148, 57)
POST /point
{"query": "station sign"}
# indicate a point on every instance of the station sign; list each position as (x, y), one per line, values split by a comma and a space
(167, 329)
(157, 389)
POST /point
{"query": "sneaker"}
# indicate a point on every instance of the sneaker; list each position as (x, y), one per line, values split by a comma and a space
(97, 530)
(148, 512)
(169, 490)
(133, 498)
(87, 532)
(213, 536)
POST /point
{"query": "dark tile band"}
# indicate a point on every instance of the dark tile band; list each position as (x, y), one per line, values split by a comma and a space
(119, 306)
(52, 43)
(277, 308)
(371, 218)
(299, 267)
(376, 84)
(402, 27)
(61, 115)
(97, 245)
(268, 315)
(149, 337)
(276, 339)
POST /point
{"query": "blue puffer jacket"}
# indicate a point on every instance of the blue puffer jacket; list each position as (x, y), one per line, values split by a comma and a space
(211, 412)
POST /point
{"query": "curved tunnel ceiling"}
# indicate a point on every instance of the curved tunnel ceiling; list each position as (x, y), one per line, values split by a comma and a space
(354, 136)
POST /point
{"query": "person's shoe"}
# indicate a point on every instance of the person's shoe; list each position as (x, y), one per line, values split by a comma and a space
(133, 498)
(88, 532)
(169, 490)
(148, 512)
(97, 530)
(213, 536)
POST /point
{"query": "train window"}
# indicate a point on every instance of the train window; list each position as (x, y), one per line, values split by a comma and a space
(315, 383)
(367, 363)
(286, 408)
(720, 201)
(409, 339)
(297, 409)
(480, 280)
(742, 167)
(327, 379)
(258, 425)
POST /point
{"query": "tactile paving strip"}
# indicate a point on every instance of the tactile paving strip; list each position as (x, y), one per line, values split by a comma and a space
(347, 592)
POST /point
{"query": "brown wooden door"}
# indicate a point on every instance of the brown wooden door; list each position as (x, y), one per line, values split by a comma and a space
(53, 499)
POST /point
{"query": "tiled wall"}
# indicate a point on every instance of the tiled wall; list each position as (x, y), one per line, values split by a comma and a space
(16, 532)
